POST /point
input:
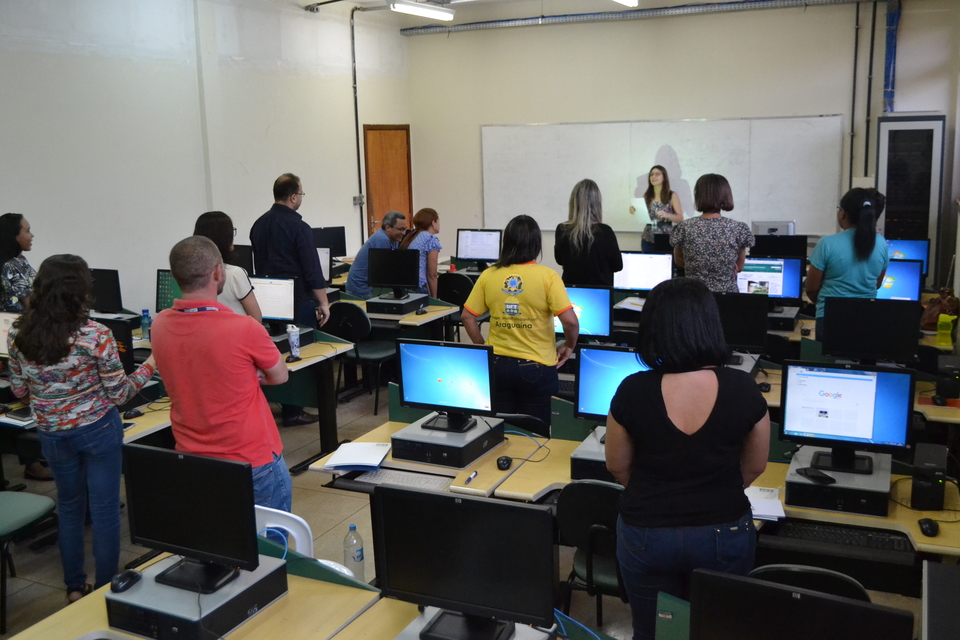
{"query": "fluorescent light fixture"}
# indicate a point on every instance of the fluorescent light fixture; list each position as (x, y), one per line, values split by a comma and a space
(422, 9)
(629, 3)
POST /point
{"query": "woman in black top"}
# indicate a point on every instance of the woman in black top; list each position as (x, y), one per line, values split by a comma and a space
(684, 438)
(586, 248)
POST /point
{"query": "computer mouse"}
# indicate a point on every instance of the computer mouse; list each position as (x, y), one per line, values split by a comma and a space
(805, 332)
(764, 386)
(929, 527)
(292, 358)
(4, 408)
(131, 414)
(421, 311)
(504, 462)
(124, 580)
(940, 401)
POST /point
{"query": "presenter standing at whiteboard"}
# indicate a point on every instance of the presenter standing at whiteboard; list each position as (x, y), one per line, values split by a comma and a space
(663, 206)
(586, 248)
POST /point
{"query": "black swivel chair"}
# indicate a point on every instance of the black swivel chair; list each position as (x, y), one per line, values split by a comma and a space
(813, 578)
(454, 288)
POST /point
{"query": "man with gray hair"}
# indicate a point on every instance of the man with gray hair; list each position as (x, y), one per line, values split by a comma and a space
(214, 362)
(388, 236)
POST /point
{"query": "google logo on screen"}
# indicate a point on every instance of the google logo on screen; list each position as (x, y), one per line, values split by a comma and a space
(828, 394)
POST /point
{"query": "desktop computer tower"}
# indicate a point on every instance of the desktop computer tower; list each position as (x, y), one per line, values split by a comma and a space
(929, 477)
(868, 494)
(446, 448)
(392, 306)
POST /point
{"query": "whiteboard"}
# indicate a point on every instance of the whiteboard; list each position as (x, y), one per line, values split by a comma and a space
(778, 168)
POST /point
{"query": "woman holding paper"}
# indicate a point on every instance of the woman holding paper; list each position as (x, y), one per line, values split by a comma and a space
(663, 205)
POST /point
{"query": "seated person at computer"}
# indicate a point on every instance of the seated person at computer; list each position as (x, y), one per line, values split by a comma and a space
(852, 263)
(426, 223)
(67, 367)
(586, 248)
(684, 438)
(711, 247)
(523, 297)
(213, 363)
(237, 292)
(392, 229)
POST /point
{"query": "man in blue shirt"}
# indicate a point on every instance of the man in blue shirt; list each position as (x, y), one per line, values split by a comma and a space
(388, 236)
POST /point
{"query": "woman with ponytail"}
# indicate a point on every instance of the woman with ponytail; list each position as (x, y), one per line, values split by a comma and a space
(852, 263)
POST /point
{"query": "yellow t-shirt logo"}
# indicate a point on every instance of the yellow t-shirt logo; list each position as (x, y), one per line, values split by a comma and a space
(512, 285)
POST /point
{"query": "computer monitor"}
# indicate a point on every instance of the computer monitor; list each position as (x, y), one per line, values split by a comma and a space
(643, 271)
(214, 529)
(910, 250)
(397, 269)
(452, 378)
(594, 309)
(600, 370)
(276, 298)
(326, 262)
(744, 320)
(774, 227)
(848, 408)
(123, 335)
(903, 281)
(242, 257)
(779, 278)
(106, 291)
(167, 290)
(482, 245)
(333, 238)
(486, 563)
(725, 606)
(770, 246)
(871, 330)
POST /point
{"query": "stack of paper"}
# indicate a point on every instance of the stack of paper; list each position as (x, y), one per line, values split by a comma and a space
(357, 456)
(765, 503)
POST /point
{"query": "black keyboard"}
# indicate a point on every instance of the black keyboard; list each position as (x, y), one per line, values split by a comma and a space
(844, 535)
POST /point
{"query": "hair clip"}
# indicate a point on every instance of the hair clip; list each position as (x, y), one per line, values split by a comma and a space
(866, 203)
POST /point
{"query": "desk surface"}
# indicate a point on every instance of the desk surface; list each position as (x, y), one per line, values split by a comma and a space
(317, 352)
(434, 312)
(533, 480)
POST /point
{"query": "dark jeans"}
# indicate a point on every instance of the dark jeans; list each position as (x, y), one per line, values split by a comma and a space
(524, 386)
(662, 559)
(87, 460)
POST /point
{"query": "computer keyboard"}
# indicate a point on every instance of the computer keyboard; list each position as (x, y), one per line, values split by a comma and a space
(567, 386)
(845, 536)
(407, 479)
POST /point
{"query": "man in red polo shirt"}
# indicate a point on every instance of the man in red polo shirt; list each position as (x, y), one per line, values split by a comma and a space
(213, 362)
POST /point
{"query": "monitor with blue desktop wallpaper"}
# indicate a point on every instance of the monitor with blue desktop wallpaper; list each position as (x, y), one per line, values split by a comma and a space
(275, 297)
(643, 271)
(910, 250)
(774, 277)
(451, 378)
(594, 309)
(601, 369)
(846, 407)
(903, 281)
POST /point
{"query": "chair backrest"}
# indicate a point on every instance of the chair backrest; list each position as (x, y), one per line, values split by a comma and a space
(348, 322)
(583, 504)
(813, 578)
(533, 424)
(454, 287)
(296, 526)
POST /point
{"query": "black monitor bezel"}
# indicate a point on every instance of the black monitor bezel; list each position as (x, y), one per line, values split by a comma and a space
(781, 254)
(242, 256)
(443, 408)
(673, 264)
(919, 280)
(107, 278)
(783, 300)
(394, 258)
(322, 238)
(576, 387)
(157, 292)
(926, 260)
(293, 307)
(600, 336)
(499, 233)
(870, 307)
(746, 348)
(448, 501)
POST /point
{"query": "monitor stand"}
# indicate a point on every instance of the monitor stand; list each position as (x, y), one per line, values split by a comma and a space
(198, 577)
(398, 294)
(842, 459)
(451, 624)
(450, 421)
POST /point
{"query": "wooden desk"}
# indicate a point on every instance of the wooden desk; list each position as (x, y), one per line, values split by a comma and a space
(533, 480)
(434, 312)
(796, 334)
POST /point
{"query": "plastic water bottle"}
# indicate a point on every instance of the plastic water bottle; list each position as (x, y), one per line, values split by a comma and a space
(353, 553)
(145, 322)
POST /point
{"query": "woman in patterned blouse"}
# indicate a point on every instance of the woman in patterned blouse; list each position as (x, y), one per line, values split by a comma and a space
(663, 205)
(68, 366)
(16, 274)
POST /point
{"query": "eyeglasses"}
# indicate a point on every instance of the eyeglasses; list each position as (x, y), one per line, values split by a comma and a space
(301, 194)
(234, 232)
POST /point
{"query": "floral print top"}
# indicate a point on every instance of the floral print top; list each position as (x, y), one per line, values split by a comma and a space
(710, 248)
(82, 387)
(660, 224)
(16, 282)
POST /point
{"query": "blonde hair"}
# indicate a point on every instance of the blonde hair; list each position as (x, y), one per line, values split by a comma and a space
(586, 211)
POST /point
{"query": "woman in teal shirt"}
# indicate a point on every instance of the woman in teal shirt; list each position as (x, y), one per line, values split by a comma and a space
(852, 263)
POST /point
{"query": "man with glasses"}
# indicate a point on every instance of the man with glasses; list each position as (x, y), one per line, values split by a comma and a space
(283, 247)
(388, 236)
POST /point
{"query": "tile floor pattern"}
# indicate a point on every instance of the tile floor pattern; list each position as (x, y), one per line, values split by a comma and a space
(38, 589)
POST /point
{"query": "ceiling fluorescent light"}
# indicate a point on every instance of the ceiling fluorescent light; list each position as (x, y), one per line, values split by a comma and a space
(422, 9)
(629, 3)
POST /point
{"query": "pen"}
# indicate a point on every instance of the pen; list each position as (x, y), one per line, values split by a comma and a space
(471, 477)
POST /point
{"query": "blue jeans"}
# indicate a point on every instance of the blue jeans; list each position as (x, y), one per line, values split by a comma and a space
(524, 386)
(272, 486)
(662, 559)
(818, 325)
(87, 461)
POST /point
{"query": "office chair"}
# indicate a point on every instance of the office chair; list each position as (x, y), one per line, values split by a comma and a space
(18, 513)
(533, 424)
(454, 288)
(349, 322)
(298, 529)
(587, 519)
(813, 578)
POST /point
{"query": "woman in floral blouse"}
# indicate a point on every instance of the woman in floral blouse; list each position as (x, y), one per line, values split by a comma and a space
(16, 274)
(68, 366)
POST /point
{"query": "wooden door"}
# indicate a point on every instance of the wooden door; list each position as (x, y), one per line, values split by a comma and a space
(387, 163)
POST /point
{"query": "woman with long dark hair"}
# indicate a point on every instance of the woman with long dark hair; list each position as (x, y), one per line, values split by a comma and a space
(523, 298)
(237, 291)
(684, 439)
(16, 274)
(68, 366)
(852, 263)
(586, 248)
(663, 205)
(426, 225)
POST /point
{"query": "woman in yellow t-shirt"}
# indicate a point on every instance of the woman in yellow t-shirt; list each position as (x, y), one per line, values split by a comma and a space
(523, 298)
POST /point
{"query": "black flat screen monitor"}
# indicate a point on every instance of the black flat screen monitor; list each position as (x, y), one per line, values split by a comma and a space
(768, 246)
(451, 378)
(902, 281)
(643, 271)
(600, 370)
(910, 250)
(396, 269)
(744, 320)
(730, 607)
(106, 291)
(871, 330)
(276, 298)
(242, 257)
(847, 408)
(123, 335)
(167, 290)
(214, 529)
(486, 563)
(482, 245)
(594, 309)
(333, 238)
(778, 278)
